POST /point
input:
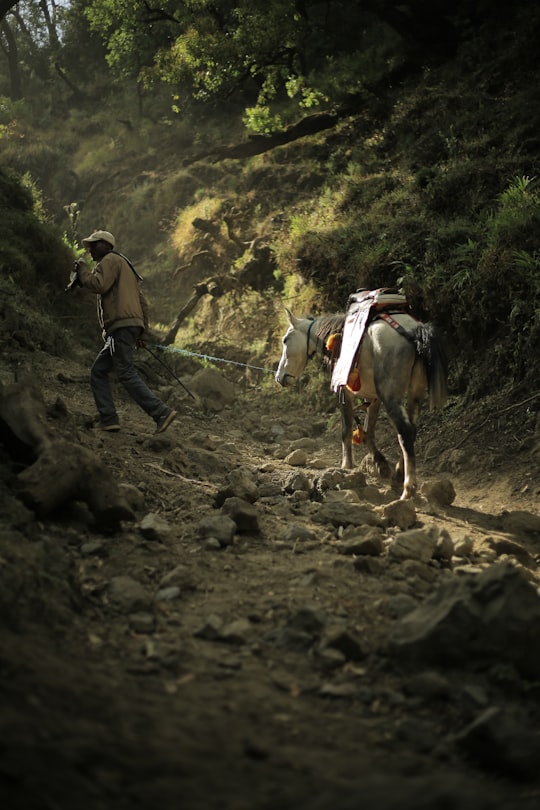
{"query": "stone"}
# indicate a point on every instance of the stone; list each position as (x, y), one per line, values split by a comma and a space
(347, 514)
(520, 522)
(298, 458)
(502, 741)
(244, 514)
(440, 493)
(154, 527)
(127, 595)
(298, 481)
(464, 546)
(221, 527)
(241, 484)
(476, 619)
(415, 544)
(400, 513)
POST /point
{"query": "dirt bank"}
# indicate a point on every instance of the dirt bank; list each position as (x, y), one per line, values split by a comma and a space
(167, 664)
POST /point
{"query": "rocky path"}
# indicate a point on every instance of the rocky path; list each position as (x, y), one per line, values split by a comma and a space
(269, 631)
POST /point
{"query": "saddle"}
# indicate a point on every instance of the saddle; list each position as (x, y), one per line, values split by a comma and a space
(362, 307)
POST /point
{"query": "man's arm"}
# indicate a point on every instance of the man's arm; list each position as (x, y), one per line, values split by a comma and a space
(100, 279)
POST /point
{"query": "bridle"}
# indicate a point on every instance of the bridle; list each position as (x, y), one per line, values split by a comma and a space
(314, 352)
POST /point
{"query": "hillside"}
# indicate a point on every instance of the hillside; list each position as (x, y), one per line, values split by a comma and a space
(218, 617)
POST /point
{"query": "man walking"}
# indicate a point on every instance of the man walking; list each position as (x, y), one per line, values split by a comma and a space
(123, 317)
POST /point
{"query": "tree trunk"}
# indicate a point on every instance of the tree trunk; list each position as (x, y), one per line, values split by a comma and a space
(15, 84)
(5, 6)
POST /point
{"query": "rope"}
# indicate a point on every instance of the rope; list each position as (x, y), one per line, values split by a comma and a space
(213, 359)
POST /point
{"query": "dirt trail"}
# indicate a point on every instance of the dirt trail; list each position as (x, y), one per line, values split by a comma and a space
(201, 681)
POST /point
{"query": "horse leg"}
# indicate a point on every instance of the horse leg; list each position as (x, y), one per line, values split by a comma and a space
(380, 463)
(406, 431)
(347, 417)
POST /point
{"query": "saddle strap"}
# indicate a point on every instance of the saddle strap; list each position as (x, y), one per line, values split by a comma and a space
(395, 325)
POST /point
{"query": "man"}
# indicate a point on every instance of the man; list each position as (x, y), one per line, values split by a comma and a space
(123, 317)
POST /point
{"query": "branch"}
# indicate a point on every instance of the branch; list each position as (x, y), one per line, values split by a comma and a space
(157, 14)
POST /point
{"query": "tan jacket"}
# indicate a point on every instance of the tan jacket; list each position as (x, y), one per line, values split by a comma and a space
(120, 299)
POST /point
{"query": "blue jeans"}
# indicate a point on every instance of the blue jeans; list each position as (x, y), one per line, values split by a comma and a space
(117, 355)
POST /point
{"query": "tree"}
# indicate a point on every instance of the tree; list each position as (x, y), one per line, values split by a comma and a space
(5, 6)
(8, 43)
(262, 51)
(215, 49)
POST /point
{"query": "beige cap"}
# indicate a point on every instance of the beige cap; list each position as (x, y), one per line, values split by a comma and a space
(99, 236)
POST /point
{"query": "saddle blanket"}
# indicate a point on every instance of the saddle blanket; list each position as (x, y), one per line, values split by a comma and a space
(361, 307)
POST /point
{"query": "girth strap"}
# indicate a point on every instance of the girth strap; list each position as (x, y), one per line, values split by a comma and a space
(395, 325)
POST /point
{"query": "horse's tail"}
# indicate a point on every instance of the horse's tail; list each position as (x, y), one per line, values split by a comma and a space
(430, 349)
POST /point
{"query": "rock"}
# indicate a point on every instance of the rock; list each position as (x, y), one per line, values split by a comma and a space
(347, 514)
(244, 514)
(168, 594)
(298, 482)
(373, 495)
(297, 531)
(428, 685)
(440, 493)
(182, 576)
(298, 458)
(336, 478)
(66, 472)
(369, 565)
(400, 513)
(415, 544)
(241, 484)
(476, 619)
(132, 495)
(342, 496)
(127, 595)
(210, 629)
(221, 527)
(444, 547)
(464, 547)
(94, 549)
(308, 620)
(369, 541)
(343, 691)
(513, 549)
(215, 629)
(519, 522)
(502, 741)
(304, 443)
(142, 622)
(236, 632)
(399, 605)
(345, 641)
(154, 527)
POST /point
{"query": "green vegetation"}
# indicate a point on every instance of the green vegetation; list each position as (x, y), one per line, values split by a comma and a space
(424, 176)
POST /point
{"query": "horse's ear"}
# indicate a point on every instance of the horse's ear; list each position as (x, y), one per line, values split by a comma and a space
(293, 320)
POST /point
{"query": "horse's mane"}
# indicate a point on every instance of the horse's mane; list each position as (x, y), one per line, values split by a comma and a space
(326, 325)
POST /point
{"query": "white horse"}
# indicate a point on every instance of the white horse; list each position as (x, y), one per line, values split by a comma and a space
(398, 369)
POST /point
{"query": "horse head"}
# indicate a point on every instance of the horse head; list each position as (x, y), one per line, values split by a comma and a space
(296, 350)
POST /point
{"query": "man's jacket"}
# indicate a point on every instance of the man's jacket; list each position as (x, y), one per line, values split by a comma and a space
(120, 299)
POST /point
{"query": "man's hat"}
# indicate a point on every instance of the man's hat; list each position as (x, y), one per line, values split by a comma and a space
(99, 236)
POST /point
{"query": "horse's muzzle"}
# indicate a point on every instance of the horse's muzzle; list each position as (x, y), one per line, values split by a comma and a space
(286, 381)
